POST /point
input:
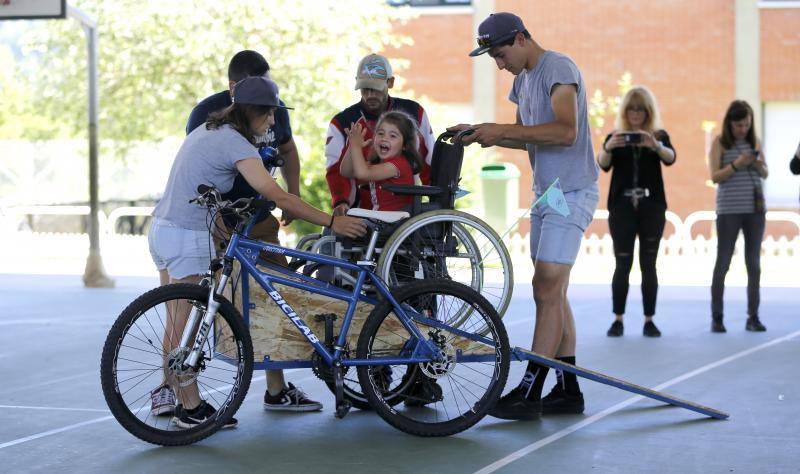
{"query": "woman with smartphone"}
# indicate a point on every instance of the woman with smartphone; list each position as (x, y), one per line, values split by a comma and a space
(636, 150)
(738, 169)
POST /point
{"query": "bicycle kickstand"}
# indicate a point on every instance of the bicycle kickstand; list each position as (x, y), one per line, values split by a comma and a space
(343, 405)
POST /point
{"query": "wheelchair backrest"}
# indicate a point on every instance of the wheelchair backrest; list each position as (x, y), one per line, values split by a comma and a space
(446, 168)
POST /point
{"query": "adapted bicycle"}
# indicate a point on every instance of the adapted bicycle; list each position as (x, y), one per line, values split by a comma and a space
(435, 330)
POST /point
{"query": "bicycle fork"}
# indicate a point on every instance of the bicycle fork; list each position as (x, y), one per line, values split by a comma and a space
(205, 323)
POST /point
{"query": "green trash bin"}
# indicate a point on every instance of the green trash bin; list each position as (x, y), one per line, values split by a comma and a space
(500, 182)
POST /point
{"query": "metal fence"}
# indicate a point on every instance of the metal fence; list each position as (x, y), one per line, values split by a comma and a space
(683, 259)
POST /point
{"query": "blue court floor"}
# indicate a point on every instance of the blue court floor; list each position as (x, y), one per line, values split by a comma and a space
(53, 416)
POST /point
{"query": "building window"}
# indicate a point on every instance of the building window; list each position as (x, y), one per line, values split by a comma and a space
(780, 143)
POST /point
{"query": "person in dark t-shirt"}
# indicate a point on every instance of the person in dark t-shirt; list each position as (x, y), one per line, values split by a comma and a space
(279, 395)
(243, 64)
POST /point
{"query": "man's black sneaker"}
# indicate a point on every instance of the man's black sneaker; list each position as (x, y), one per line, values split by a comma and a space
(198, 415)
(424, 391)
(559, 402)
(382, 377)
(616, 329)
(650, 330)
(716, 324)
(514, 406)
(290, 399)
(754, 324)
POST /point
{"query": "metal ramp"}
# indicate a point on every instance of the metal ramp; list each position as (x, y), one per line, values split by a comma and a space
(521, 354)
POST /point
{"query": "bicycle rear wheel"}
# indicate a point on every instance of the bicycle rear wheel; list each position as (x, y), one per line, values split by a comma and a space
(463, 386)
(133, 364)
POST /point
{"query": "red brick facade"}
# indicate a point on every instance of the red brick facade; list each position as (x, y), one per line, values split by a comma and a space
(682, 49)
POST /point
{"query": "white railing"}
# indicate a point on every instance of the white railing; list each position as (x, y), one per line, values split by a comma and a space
(683, 259)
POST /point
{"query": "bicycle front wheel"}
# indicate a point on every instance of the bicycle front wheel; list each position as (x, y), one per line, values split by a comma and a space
(139, 357)
(452, 393)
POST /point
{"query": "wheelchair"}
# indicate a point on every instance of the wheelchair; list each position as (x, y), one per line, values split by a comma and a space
(434, 240)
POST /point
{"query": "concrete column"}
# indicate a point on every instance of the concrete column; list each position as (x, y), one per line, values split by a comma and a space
(747, 61)
(484, 72)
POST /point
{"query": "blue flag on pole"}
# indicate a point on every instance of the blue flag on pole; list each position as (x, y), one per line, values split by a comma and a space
(554, 198)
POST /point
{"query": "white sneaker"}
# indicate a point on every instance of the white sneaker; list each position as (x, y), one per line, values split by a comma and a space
(162, 401)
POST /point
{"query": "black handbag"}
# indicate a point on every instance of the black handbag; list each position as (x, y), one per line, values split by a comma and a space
(759, 203)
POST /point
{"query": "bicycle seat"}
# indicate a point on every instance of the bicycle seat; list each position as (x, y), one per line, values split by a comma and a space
(388, 217)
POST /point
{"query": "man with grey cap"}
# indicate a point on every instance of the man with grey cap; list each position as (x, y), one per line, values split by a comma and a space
(180, 245)
(374, 78)
(552, 126)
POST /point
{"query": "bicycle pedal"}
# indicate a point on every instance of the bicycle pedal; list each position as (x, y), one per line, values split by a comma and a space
(343, 408)
(324, 317)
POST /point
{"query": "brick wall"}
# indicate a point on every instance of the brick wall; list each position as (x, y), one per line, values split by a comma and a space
(682, 49)
(439, 65)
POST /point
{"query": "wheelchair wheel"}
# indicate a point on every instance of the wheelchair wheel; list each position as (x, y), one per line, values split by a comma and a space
(452, 245)
(133, 365)
(305, 243)
(454, 393)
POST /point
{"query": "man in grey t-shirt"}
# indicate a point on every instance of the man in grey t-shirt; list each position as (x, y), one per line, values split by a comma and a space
(552, 125)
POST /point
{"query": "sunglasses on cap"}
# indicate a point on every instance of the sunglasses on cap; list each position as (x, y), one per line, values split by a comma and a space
(486, 40)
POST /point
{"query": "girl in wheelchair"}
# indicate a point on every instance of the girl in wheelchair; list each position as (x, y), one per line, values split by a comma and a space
(393, 159)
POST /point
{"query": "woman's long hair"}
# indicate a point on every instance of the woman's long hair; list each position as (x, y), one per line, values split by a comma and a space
(239, 117)
(738, 110)
(639, 96)
(410, 133)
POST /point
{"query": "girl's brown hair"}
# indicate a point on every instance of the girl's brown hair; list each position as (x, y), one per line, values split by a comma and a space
(239, 117)
(410, 133)
(738, 110)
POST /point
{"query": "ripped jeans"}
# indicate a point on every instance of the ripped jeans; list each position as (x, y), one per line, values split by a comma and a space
(625, 223)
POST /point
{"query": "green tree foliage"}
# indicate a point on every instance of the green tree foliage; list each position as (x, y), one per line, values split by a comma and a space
(16, 94)
(601, 107)
(157, 59)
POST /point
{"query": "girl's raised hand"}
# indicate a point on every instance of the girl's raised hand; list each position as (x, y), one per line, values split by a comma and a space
(357, 135)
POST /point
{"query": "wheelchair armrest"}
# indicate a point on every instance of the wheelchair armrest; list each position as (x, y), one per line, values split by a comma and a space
(415, 190)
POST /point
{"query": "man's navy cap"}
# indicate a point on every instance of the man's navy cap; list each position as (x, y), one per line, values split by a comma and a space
(257, 90)
(497, 29)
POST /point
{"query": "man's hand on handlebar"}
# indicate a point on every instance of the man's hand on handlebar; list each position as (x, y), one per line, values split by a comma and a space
(462, 131)
(487, 134)
(349, 226)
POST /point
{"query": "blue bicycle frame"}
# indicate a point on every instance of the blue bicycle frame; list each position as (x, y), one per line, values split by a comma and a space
(246, 251)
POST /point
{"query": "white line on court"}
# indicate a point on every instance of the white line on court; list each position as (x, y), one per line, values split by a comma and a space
(50, 382)
(619, 406)
(55, 431)
(53, 408)
(84, 423)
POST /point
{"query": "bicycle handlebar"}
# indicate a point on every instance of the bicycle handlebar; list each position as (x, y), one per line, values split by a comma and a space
(210, 198)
